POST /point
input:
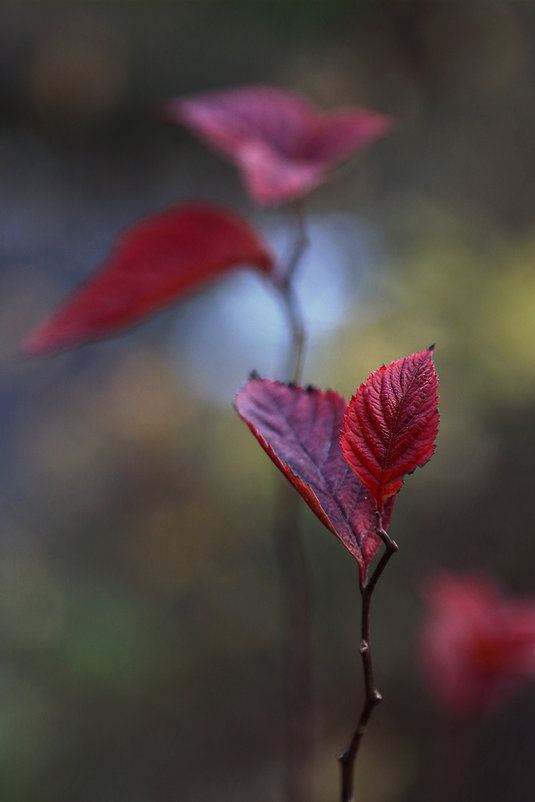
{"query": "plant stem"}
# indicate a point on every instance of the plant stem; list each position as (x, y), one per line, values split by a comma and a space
(294, 367)
(283, 280)
(297, 247)
(295, 583)
(372, 697)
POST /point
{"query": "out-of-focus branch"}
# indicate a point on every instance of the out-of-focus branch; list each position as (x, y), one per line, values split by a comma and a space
(295, 582)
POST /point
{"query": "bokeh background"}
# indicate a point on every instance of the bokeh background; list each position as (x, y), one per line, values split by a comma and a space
(139, 600)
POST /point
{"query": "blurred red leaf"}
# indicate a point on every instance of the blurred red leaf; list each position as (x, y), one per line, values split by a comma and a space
(154, 263)
(281, 144)
(477, 644)
(391, 424)
(300, 430)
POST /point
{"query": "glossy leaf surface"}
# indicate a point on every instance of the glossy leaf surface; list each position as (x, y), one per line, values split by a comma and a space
(282, 145)
(153, 264)
(477, 643)
(391, 424)
(300, 430)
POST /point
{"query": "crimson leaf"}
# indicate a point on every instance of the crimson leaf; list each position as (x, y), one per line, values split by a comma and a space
(391, 424)
(154, 263)
(300, 429)
(282, 145)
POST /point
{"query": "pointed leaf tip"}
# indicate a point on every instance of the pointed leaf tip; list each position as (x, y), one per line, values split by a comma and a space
(391, 424)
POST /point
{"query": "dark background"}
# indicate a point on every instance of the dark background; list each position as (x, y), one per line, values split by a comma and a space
(139, 598)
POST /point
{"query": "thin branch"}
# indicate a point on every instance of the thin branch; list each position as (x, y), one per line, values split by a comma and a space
(294, 367)
(284, 284)
(372, 697)
(286, 268)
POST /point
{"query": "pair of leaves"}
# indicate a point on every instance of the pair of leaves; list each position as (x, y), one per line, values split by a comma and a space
(282, 145)
(477, 643)
(349, 461)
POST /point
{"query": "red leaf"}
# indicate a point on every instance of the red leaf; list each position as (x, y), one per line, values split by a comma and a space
(154, 263)
(281, 144)
(477, 644)
(300, 430)
(391, 424)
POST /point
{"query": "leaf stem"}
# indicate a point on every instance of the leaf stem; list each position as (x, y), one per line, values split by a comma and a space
(372, 697)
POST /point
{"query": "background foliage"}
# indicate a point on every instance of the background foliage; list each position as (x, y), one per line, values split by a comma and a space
(139, 611)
